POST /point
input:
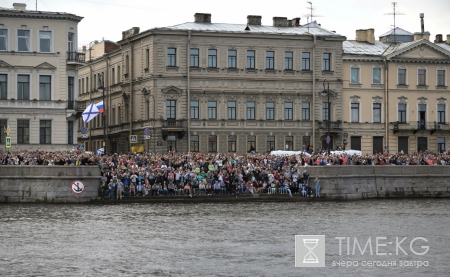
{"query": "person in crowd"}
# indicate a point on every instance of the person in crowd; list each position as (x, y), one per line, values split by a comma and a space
(317, 183)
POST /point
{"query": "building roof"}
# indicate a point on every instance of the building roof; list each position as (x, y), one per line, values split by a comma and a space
(444, 45)
(398, 31)
(5, 12)
(311, 28)
(353, 47)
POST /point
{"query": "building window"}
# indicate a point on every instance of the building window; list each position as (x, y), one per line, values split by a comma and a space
(441, 78)
(288, 61)
(270, 111)
(288, 111)
(212, 110)
(402, 113)
(3, 126)
(326, 66)
(305, 61)
(194, 144)
(23, 40)
(119, 114)
(232, 57)
(231, 143)
(306, 142)
(194, 57)
(171, 56)
(355, 112)
(376, 76)
(3, 40)
(325, 111)
(87, 84)
(212, 58)
(70, 132)
(289, 143)
(270, 57)
(270, 143)
(127, 67)
(251, 143)
(95, 82)
(45, 84)
(113, 116)
(212, 143)
(441, 113)
(119, 79)
(250, 59)
(45, 131)
(441, 144)
(171, 109)
(113, 76)
(3, 86)
(376, 112)
(194, 109)
(23, 131)
(231, 110)
(147, 58)
(354, 78)
(127, 112)
(305, 111)
(45, 41)
(402, 76)
(251, 110)
(421, 77)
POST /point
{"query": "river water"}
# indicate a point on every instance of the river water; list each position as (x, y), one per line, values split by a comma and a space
(220, 239)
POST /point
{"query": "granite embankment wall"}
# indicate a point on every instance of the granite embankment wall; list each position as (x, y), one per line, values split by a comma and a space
(52, 184)
(49, 184)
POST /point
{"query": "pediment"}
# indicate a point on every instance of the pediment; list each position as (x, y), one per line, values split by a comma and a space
(45, 65)
(420, 50)
(172, 89)
(4, 64)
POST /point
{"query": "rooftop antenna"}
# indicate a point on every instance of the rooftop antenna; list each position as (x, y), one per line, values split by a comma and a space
(311, 13)
(394, 13)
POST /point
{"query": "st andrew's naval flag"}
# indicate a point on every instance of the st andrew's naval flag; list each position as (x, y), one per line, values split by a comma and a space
(90, 112)
(100, 107)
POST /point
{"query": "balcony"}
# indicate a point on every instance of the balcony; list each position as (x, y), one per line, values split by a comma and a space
(76, 58)
(77, 106)
(173, 125)
(419, 126)
(334, 125)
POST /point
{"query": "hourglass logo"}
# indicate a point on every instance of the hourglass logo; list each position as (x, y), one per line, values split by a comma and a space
(309, 251)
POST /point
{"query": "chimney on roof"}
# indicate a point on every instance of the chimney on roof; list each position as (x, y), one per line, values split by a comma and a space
(367, 35)
(84, 48)
(254, 20)
(202, 18)
(422, 34)
(20, 6)
(280, 22)
(295, 22)
(448, 39)
(438, 38)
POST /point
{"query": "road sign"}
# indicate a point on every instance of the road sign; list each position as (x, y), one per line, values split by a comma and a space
(84, 135)
(84, 130)
(80, 147)
(146, 137)
(8, 142)
(328, 139)
(147, 131)
(133, 138)
(77, 187)
(159, 143)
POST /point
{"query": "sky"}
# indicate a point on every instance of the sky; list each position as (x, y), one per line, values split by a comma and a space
(106, 19)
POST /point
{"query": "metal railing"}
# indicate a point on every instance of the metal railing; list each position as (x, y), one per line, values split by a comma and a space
(418, 126)
(172, 123)
(76, 57)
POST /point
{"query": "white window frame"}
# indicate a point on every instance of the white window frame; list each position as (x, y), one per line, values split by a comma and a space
(406, 76)
(8, 35)
(51, 40)
(74, 41)
(381, 75)
(359, 75)
(52, 86)
(407, 107)
(9, 94)
(441, 102)
(445, 75)
(381, 112)
(426, 75)
(30, 39)
(31, 84)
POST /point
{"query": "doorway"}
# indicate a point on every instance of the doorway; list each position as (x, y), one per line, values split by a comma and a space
(171, 143)
(422, 113)
(325, 144)
(422, 144)
(377, 145)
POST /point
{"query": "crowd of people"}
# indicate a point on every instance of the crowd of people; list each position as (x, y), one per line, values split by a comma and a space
(171, 173)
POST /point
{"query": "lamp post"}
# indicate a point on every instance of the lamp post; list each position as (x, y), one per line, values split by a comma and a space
(327, 91)
(102, 87)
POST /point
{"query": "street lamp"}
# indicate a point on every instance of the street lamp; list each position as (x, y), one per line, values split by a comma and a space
(327, 91)
(102, 87)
